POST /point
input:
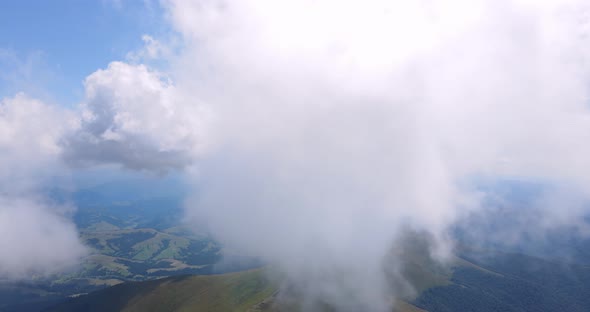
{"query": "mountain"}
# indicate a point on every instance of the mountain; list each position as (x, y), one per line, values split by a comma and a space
(478, 281)
(228, 292)
(136, 236)
(242, 291)
(134, 231)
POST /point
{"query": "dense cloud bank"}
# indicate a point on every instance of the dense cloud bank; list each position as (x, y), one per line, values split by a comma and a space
(320, 133)
(344, 124)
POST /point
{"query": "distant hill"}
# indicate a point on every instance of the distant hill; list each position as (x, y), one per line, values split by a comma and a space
(486, 281)
(138, 254)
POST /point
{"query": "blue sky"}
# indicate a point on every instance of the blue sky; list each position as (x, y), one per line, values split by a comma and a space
(47, 48)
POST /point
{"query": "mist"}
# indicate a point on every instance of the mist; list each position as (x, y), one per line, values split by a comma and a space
(37, 237)
(336, 139)
(339, 127)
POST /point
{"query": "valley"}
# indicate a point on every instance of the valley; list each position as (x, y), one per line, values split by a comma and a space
(143, 257)
(509, 282)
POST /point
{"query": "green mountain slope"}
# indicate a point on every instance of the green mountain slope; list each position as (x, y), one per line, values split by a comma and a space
(477, 282)
(227, 292)
(249, 291)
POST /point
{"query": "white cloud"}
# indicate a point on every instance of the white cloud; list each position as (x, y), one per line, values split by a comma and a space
(344, 123)
(152, 50)
(35, 239)
(135, 117)
(36, 236)
(29, 139)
